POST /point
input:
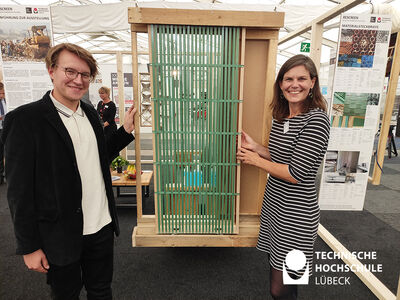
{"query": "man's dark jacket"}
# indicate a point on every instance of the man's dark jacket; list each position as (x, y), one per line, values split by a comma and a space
(44, 185)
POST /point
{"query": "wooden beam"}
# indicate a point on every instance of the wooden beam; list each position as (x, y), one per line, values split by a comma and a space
(145, 235)
(153, 125)
(325, 41)
(139, 28)
(143, 15)
(121, 96)
(369, 279)
(387, 114)
(267, 115)
(240, 121)
(136, 101)
(258, 34)
(316, 44)
(330, 14)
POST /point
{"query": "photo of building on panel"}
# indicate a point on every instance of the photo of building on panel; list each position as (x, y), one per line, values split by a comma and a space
(349, 109)
(341, 166)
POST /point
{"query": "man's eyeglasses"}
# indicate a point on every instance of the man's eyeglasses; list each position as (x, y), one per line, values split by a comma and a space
(72, 74)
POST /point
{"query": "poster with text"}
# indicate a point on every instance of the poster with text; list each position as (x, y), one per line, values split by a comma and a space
(355, 98)
(128, 91)
(25, 39)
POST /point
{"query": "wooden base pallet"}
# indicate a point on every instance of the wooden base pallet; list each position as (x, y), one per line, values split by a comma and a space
(144, 235)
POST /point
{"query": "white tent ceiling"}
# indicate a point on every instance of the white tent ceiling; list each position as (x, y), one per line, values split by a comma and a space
(101, 25)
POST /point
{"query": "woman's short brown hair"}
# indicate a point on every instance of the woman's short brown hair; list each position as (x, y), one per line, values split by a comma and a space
(54, 52)
(279, 105)
(104, 89)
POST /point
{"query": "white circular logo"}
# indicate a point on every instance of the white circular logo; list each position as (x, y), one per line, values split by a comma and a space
(295, 260)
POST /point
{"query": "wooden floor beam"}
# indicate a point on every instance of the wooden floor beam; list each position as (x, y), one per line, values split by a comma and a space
(369, 279)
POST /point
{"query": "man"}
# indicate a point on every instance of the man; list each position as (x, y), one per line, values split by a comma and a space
(59, 182)
(3, 111)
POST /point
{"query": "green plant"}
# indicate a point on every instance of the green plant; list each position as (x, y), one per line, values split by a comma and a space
(119, 161)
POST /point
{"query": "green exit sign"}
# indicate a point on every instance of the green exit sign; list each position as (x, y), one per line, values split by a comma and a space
(305, 47)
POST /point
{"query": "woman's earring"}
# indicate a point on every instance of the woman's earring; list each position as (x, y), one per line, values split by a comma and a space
(310, 94)
(281, 96)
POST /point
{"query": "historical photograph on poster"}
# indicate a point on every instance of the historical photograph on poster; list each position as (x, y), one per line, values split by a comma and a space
(24, 41)
(349, 109)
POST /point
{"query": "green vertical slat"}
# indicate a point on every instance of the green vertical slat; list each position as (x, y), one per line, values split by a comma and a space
(235, 126)
(228, 129)
(179, 96)
(206, 128)
(227, 118)
(161, 95)
(200, 128)
(218, 129)
(156, 120)
(214, 103)
(168, 104)
(171, 119)
(185, 123)
(163, 59)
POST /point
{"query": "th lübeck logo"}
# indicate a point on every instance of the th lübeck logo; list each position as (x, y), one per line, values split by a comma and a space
(295, 260)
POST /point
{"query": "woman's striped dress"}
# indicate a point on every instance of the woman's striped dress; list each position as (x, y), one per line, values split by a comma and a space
(290, 212)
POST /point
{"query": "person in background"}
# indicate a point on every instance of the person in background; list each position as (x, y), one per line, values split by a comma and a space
(3, 111)
(63, 207)
(297, 144)
(106, 110)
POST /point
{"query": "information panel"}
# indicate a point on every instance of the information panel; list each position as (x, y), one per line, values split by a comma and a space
(25, 38)
(356, 95)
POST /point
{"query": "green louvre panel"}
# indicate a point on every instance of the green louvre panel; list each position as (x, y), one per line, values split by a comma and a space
(195, 92)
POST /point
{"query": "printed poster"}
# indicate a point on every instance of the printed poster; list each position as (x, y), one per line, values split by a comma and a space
(25, 38)
(128, 92)
(356, 95)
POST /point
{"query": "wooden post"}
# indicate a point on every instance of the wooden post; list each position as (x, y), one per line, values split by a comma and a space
(369, 279)
(121, 96)
(317, 30)
(398, 290)
(156, 196)
(240, 118)
(267, 119)
(387, 115)
(135, 72)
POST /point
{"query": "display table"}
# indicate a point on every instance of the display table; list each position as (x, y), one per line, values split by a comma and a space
(126, 182)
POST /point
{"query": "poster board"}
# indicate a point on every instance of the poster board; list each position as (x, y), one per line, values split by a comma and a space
(356, 96)
(25, 38)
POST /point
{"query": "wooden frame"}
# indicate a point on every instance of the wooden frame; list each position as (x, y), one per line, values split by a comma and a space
(141, 16)
(258, 49)
(145, 234)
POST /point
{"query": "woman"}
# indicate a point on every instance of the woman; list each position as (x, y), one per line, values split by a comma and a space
(297, 144)
(106, 110)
